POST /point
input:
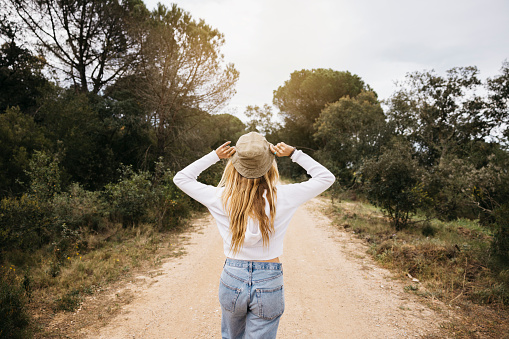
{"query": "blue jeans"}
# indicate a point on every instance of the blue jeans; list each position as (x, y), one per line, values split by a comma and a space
(252, 299)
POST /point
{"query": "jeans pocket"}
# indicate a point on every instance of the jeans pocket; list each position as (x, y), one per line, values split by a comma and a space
(271, 302)
(228, 296)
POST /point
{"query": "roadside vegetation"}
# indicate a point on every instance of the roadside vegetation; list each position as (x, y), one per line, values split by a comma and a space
(447, 261)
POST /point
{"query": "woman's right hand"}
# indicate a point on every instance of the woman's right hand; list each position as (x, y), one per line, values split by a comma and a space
(225, 151)
(282, 149)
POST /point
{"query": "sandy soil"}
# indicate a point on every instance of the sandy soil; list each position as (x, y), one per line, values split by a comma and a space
(332, 290)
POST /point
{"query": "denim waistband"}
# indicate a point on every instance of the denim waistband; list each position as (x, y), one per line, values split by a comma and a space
(256, 265)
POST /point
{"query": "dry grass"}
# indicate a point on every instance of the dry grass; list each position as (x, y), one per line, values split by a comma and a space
(88, 271)
(450, 260)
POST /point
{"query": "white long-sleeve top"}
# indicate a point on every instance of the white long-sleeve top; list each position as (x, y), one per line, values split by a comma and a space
(289, 198)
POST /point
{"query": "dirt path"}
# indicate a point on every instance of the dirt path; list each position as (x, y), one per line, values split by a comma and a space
(332, 290)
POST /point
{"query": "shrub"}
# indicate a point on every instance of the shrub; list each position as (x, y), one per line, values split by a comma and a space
(14, 317)
(392, 182)
(130, 197)
(78, 208)
(449, 184)
(44, 174)
(171, 205)
(24, 223)
(500, 244)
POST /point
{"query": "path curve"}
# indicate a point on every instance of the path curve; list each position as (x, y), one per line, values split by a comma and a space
(332, 290)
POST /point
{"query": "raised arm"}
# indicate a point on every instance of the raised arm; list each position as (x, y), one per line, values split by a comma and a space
(321, 177)
(187, 178)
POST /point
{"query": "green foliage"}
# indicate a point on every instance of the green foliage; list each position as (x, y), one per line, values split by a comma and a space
(198, 134)
(15, 319)
(68, 244)
(21, 79)
(450, 259)
(440, 115)
(78, 208)
(82, 133)
(489, 187)
(393, 182)
(44, 175)
(221, 128)
(180, 76)
(350, 130)
(301, 99)
(500, 244)
(171, 205)
(450, 185)
(261, 120)
(25, 224)
(498, 100)
(19, 137)
(130, 197)
(132, 139)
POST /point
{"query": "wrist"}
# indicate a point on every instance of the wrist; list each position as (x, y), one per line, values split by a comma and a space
(294, 149)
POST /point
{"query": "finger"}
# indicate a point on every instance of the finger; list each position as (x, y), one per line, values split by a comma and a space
(225, 144)
(272, 148)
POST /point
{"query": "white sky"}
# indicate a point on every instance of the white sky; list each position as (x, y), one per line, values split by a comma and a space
(379, 40)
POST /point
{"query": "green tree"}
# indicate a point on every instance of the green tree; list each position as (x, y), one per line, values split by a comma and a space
(498, 101)
(91, 42)
(127, 125)
(393, 182)
(83, 136)
(223, 127)
(21, 79)
(440, 114)
(349, 130)
(301, 99)
(20, 136)
(449, 124)
(261, 119)
(180, 74)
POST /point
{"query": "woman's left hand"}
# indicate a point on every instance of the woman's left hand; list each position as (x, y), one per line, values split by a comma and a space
(225, 151)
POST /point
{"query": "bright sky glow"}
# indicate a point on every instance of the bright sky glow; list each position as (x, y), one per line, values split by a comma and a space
(378, 40)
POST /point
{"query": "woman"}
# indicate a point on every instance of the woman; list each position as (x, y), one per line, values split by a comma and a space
(252, 212)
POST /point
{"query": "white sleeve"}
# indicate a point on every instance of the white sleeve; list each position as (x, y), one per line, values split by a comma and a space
(187, 180)
(321, 179)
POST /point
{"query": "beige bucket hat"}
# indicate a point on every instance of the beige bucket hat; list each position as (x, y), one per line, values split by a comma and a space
(252, 158)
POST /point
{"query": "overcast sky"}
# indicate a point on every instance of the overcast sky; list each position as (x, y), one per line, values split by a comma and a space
(379, 40)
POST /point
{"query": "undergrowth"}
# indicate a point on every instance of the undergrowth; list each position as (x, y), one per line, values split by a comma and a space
(59, 280)
(452, 262)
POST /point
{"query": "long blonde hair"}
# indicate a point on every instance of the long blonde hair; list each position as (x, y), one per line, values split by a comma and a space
(243, 198)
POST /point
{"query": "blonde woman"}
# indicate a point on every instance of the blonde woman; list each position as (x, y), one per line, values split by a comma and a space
(252, 212)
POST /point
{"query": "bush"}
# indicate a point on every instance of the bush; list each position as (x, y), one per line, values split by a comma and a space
(449, 184)
(171, 205)
(44, 174)
(24, 223)
(392, 182)
(500, 244)
(78, 208)
(14, 317)
(130, 197)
